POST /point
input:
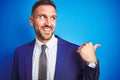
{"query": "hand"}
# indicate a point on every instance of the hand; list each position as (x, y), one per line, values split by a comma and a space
(87, 52)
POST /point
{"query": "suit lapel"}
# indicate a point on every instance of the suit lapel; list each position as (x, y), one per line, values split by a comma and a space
(28, 60)
(59, 60)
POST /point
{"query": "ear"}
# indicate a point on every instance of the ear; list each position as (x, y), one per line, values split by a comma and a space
(31, 21)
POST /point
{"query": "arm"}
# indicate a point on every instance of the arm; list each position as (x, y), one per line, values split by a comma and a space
(91, 73)
(87, 53)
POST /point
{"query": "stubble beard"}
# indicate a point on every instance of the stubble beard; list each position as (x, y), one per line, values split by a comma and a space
(45, 37)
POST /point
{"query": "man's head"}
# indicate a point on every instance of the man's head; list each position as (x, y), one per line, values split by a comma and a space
(42, 2)
(43, 19)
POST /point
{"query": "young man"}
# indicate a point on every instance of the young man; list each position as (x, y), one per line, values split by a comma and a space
(59, 60)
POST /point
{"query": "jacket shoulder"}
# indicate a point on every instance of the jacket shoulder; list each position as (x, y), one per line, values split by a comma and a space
(29, 44)
(24, 48)
(67, 43)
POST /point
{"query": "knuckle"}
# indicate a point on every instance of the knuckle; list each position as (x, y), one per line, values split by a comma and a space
(90, 43)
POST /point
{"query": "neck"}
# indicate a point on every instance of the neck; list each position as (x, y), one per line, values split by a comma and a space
(44, 41)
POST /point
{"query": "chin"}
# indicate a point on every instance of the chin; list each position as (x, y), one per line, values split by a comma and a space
(47, 37)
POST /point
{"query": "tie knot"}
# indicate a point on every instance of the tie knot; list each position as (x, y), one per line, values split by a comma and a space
(43, 47)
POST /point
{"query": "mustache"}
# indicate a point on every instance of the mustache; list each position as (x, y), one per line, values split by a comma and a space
(47, 26)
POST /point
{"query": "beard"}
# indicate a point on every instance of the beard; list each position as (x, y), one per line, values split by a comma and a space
(44, 36)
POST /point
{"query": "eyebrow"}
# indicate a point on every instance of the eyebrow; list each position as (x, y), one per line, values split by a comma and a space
(46, 15)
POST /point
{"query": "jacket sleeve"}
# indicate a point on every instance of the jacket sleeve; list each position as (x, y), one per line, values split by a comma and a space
(86, 72)
(89, 73)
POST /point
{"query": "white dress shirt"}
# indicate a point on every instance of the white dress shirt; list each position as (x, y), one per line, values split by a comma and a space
(51, 53)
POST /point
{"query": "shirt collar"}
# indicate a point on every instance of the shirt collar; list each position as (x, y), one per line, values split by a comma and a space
(49, 44)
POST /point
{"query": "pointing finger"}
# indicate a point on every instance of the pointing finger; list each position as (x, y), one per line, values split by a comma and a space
(96, 45)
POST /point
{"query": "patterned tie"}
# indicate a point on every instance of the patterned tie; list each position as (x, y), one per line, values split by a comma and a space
(43, 64)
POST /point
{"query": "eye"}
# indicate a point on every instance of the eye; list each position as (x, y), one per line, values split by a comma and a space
(53, 18)
(42, 17)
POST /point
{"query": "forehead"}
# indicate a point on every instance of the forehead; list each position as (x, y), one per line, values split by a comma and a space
(45, 9)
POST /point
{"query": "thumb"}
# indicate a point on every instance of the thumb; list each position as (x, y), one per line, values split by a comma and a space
(96, 45)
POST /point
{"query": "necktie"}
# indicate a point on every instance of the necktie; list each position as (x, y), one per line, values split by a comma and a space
(43, 64)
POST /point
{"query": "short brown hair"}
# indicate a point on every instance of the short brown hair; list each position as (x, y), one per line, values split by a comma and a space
(42, 2)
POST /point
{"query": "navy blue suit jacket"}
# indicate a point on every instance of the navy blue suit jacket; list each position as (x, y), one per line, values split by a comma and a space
(69, 64)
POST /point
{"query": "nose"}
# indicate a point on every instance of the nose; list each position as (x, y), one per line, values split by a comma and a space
(48, 22)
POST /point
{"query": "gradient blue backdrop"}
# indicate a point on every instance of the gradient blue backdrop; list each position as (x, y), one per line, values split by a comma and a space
(78, 21)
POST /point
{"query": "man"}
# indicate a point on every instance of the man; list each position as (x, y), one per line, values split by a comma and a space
(59, 60)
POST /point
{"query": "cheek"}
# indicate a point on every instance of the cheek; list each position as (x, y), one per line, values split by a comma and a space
(38, 24)
(54, 24)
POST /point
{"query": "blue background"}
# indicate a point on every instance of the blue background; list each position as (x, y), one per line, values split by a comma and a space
(78, 21)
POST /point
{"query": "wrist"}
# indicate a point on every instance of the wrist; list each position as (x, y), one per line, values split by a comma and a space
(92, 64)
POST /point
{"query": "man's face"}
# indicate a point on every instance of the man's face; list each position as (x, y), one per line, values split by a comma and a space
(44, 21)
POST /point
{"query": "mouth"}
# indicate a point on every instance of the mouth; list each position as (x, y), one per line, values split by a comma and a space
(47, 30)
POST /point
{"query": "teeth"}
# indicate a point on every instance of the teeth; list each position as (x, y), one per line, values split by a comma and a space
(47, 30)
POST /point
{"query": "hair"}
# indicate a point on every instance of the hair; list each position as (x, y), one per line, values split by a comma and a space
(43, 2)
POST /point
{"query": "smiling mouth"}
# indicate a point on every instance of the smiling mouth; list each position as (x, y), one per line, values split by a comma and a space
(47, 29)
